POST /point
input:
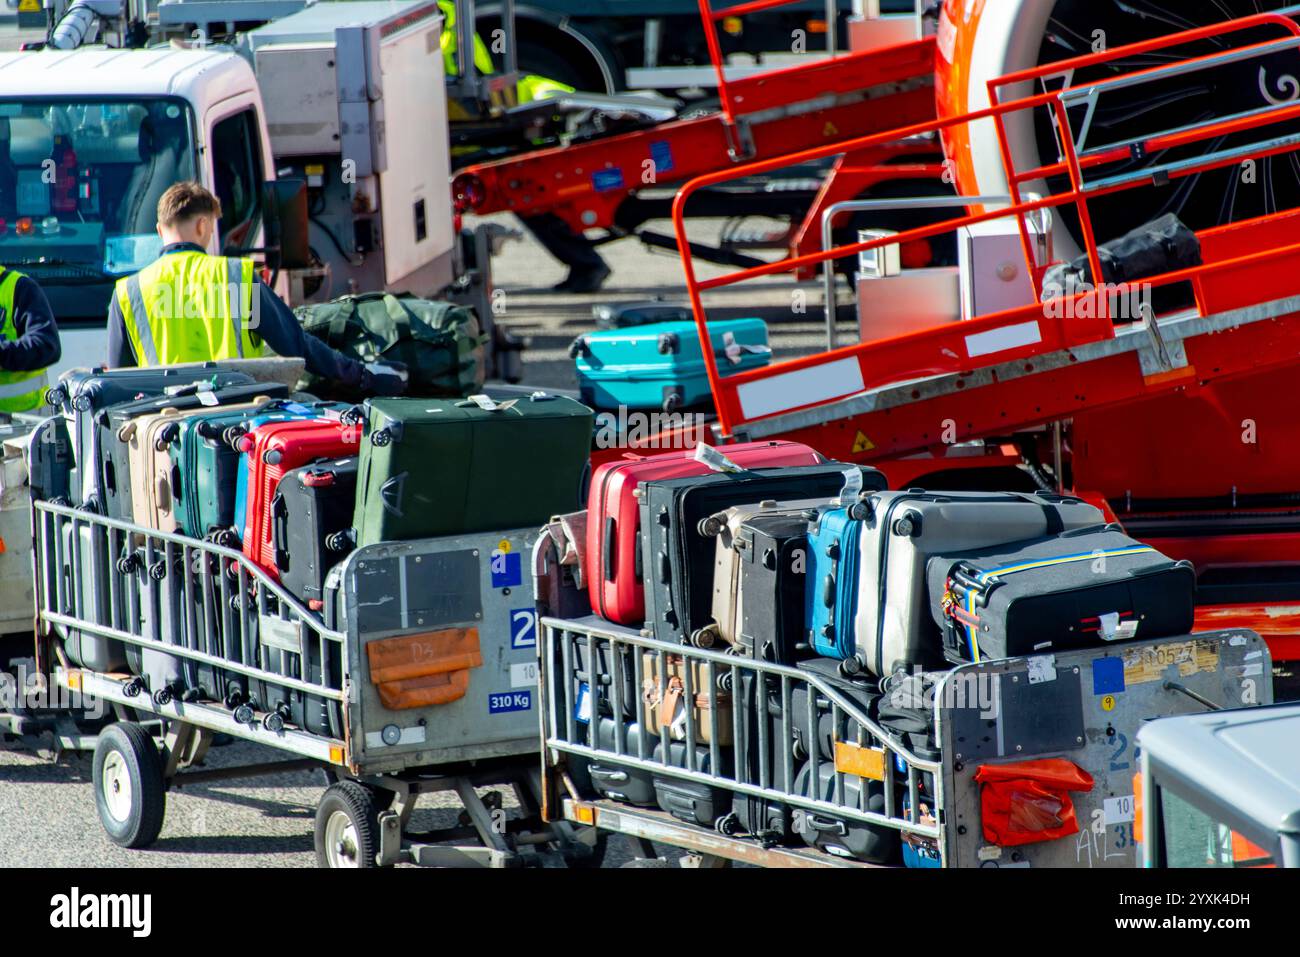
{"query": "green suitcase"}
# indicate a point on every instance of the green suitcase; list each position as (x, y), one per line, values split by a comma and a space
(433, 467)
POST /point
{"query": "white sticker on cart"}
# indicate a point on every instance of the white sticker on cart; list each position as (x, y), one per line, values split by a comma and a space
(523, 675)
(279, 633)
(1042, 668)
(1000, 340)
(1119, 810)
(792, 390)
(411, 735)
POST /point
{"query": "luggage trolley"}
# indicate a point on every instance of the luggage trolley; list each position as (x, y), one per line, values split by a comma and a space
(416, 675)
(789, 770)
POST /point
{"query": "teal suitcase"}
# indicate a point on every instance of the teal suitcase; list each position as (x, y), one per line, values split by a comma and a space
(432, 467)
(661, 365)
(205, 464)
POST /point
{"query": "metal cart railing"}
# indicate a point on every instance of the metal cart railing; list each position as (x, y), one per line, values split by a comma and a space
(195, 636)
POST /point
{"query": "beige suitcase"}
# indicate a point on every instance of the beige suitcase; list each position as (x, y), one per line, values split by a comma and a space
(663, 699)
(726, 567)
(152, 498)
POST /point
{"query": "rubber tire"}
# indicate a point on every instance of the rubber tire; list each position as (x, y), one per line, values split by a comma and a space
(362, 808)
(596, 859)
(145, 769)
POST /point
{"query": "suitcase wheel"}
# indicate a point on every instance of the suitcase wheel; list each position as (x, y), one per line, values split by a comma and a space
(711, 527)
(56, 395)
(273, 722)
(353, 416)
(128, 563)
(381, 438)
(166, 437)
(860, 511)
(729, 826)
(158, 570)
(162, 696)
(705, 637)
(81, 403)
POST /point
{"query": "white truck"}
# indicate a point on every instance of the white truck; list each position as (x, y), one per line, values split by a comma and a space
(323, 133)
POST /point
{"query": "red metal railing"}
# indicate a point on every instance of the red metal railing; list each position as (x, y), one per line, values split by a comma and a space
(948, 348)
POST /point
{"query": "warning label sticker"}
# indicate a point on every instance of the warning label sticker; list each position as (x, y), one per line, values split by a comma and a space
(863, 444)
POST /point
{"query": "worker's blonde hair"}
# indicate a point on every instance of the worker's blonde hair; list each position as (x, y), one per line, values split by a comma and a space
(185, 200)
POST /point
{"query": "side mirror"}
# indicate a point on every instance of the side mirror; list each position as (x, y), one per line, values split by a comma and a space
(284, 211)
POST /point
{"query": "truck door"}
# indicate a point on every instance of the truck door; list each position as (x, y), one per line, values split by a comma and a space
(237, 170)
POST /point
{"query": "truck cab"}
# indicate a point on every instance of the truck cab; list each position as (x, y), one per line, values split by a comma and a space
(90, 139)
(287, 123)
(1222, 789)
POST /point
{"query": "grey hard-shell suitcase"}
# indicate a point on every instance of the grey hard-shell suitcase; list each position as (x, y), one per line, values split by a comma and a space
(84, 571)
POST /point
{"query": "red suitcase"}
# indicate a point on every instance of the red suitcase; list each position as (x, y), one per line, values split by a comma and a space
(613, 517)
(274, 449)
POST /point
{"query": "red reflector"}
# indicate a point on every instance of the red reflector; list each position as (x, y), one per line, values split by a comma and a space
(315, 604)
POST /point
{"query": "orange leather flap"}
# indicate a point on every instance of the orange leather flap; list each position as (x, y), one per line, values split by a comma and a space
(424, 692)
(413, 671)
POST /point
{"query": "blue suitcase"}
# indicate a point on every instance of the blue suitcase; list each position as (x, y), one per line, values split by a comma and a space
(660, 365)
(831, 591)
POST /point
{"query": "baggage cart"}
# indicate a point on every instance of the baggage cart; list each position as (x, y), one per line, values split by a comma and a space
(417, 675)
(1084, 706)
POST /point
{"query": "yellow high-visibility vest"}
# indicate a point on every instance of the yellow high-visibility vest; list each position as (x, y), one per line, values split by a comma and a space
(530, 86)
(19, 391)
(191, 307)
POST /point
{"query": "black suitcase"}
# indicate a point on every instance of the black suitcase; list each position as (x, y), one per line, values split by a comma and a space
(610, 779)
(311, 518)
(863, 693)
(113, 489)
(772, 551)
(760, 737)
(843, 837)
(1079, 589)
(597, 671)
(678, 559)
(82, 394)
(310, 712)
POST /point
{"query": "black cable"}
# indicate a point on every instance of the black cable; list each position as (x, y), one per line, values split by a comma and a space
(335, 240)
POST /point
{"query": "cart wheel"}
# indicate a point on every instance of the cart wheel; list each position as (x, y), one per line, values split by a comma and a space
(595, 859)
(128, 782)
(347, 826)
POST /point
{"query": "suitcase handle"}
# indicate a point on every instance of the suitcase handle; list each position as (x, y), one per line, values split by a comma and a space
(607, 548)
(826, 824)
(280, 530)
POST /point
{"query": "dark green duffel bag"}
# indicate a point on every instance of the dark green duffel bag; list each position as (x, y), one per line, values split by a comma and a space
(440, 343)
(433, 467)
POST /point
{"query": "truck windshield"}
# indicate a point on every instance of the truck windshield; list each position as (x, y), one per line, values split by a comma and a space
(1194, 839)
(80, 181)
